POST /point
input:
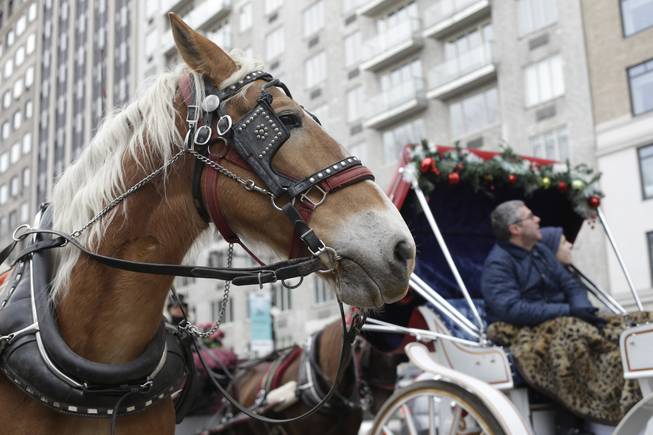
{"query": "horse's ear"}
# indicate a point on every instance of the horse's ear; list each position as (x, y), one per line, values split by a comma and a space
(199, 53)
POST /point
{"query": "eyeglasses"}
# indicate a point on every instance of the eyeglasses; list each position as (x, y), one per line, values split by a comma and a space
(530, 216)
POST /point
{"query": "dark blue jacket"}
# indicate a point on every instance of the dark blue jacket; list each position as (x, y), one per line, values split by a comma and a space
(527, 288)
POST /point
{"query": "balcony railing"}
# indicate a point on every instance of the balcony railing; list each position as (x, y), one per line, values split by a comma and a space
(371, 7)
(396, 102)
(460, 66)
(386, 44)
(446, 14)
(207, 10)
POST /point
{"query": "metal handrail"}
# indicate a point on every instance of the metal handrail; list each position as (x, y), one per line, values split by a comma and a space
(420, 334)
(608, 233)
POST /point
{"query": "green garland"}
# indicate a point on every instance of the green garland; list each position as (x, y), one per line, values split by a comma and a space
(507, 169)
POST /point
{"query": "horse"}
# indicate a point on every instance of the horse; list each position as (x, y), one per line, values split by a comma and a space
(368, 381)
(109, 316)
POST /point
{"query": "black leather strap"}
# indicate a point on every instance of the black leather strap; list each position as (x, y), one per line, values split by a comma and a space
(283, 270)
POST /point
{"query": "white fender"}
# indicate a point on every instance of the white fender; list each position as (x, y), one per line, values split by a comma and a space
(502, 408)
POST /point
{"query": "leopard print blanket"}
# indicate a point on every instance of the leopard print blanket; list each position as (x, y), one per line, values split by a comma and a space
(574, 363)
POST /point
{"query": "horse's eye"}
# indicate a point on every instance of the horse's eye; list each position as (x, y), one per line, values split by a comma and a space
(291, 120)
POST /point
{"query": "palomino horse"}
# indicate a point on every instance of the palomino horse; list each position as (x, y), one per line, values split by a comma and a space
(109, 316)
(369, 380)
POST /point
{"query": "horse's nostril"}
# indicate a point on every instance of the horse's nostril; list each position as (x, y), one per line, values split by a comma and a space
(403, 251)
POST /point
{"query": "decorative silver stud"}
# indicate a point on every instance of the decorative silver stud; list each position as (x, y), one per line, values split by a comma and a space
(131, 408)
(312, 179)
(320, 175)
(328, 171)
(92, 411)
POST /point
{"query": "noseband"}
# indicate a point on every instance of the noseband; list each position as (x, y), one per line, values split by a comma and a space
(252, 143)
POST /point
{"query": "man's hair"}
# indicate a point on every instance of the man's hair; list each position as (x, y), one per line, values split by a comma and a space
(504, 215)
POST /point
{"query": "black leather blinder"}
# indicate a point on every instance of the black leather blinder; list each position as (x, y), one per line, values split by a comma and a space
(257, 137)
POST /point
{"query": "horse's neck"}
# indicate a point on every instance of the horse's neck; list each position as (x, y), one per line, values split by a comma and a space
(330, 346)
(109, 315)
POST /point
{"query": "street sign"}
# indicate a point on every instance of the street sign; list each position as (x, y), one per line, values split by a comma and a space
(260, 323)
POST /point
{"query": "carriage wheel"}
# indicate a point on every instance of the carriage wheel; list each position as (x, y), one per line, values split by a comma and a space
(435, 408)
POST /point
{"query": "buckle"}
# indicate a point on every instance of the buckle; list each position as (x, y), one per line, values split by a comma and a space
(199, 135)
(193, 113)
(305, 198)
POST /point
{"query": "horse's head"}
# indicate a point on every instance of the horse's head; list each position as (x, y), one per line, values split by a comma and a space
(357, 220)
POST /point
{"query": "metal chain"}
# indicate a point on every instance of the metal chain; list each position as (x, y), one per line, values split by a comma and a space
(117, 200)
(248, 184)
(192, 329)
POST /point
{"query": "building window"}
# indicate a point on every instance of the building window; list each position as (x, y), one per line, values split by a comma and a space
(274, 44)
(355, 104)
(272, 5)
(6, 130)
(27, 177)
(281, 297)
(6, 100)
(31, 43)
(228, 311)
(649, 240)
(245, 17)
(315, 70)
(27, 143)
(17, 119)
(641, 87)
(636, 15)
(14, 186)
(24, 212)
(321, 293)
(31, 14)
(353, 49)
(468, 51)
(20, 56)
(544, 81)
(552, 145)
(216, 259)
(314, 18)
(9, 67)
(15, 152)
(394, 139)
(473, 113)
(646, 170)
(536, 14)
(4, 194)
(4, 162)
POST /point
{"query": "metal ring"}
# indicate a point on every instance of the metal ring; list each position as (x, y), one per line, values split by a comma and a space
(230, 123)
(333, 256)
(274, 204)
(18, 237)
(289, 286)
(208, 136)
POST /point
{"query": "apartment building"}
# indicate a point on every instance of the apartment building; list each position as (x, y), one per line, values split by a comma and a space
(86, 68)
(619, 38)
(18, 57)
(383, 73)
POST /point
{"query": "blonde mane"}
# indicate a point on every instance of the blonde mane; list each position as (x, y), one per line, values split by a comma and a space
(145, 131)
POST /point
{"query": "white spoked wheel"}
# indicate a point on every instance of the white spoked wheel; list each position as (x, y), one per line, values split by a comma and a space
(435, 408)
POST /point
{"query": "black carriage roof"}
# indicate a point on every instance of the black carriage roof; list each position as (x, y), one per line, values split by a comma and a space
(463, 217)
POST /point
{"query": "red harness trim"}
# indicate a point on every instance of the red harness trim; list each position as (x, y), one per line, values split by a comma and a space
(277, 369)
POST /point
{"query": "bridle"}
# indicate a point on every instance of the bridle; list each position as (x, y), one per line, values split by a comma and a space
(251, 143)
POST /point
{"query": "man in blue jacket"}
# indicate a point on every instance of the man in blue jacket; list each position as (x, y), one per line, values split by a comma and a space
(522, 282)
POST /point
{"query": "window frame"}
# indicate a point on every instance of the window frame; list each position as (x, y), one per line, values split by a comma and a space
(623, 24)
(641, 172)
(630, 87)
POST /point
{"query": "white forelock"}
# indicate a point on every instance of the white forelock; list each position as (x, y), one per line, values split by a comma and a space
(145, 131)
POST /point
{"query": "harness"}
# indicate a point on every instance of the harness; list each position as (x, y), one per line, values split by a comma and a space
(67, 382)
(34, 356)
(251, 144)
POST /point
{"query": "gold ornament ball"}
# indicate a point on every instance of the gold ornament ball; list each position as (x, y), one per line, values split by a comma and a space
(577, 184)
(546, 182)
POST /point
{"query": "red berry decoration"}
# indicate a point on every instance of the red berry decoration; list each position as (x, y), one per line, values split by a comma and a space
(426, 165)
(594, 201)
(512, 179)
(562, 186)
(454, 178)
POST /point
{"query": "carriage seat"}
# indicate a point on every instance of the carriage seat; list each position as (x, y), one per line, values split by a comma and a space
(488, 363)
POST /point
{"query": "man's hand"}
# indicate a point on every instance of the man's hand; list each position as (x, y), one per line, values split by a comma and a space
(588, 314)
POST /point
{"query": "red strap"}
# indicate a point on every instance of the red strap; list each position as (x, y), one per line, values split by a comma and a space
(212, 204)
